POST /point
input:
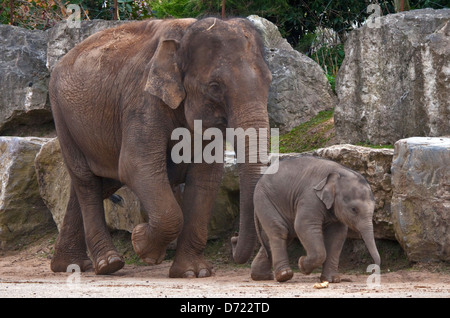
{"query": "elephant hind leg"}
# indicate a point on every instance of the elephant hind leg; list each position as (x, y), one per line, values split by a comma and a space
(70, 246)
(90, 192)
(261, 268)
(276, 232)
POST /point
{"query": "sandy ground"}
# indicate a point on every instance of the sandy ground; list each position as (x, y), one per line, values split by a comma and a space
(28, 274)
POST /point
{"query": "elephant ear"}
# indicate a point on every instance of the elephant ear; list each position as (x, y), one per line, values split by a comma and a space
(164, 78)
(326, 189)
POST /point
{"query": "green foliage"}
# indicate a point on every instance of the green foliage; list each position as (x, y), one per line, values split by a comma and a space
(330, 58)
(40, 14)
(199, 8)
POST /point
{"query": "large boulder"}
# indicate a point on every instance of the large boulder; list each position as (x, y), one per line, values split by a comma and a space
(299, 89)
(63, 37)
(23, 215)
(23, 79)
(375, 166)
(226, 208)
(395, 79)
(421, 197)
(54, 186)
(123, 211)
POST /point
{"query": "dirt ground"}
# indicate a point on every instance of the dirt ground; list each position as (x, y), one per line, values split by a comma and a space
(27, 274)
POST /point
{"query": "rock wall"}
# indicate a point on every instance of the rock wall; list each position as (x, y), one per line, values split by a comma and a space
(23, 79)
(421, 197)
(394, 83)
(395, 80)
(299, 89)
(54, 185)
(23, 215)
(62, 38)
(375, 166)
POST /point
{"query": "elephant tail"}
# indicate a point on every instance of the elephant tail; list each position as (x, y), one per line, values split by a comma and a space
(262, 237)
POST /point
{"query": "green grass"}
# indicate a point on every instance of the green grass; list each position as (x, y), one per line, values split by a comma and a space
(367, 144)
(310, 135)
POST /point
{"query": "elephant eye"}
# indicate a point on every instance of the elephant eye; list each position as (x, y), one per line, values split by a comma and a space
(214, 87)
(215, 91)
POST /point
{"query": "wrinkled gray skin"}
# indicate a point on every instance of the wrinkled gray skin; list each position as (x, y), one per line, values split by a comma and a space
(315, 200)
(116, 99)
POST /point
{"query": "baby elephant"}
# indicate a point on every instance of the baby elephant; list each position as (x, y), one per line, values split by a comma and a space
(315, 200)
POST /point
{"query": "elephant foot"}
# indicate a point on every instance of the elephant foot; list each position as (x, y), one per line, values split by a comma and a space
(261, 268)
(283, 275)
(197, 268)
(109, 263)
(62, 262)
(261, 276)
(301, 266)
(145, 245)
(335, 278)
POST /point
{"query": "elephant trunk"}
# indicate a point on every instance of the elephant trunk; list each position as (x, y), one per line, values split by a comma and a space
(369, 240)
(250, 171)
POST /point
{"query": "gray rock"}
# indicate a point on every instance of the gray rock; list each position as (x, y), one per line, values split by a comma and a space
(23, 215)
(63, 37)
(226, 208)
(54, 187)
(421, 197)
(23, 78)
(375, 166)
(299, 89)
(395, 80)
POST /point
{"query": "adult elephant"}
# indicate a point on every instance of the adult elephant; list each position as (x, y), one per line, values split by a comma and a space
(116, 99)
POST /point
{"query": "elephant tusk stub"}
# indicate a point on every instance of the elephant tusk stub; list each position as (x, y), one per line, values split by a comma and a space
(212, 25)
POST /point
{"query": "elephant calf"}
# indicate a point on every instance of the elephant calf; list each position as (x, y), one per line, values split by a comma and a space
(315, 200)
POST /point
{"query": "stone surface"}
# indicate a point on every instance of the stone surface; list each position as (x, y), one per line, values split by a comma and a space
(375, 166)
(395, 80)
(23, 78)
(54, 185)
(225, 214)
(23, 215)
(299, 89)
(53, 177)
(62, 37)
(421, 197)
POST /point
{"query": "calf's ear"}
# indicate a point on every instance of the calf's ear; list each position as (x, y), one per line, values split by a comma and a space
(164, 78)
(326, 189)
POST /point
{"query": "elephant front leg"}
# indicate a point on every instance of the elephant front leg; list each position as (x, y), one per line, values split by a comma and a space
(311, 237)
(200, 191)
(165, 219)
(334, 238)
